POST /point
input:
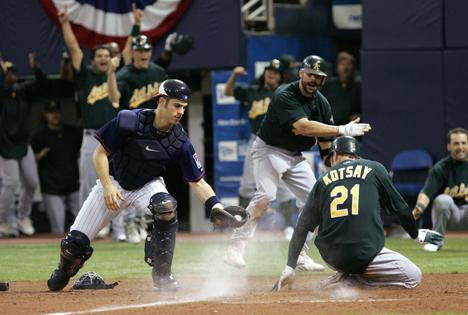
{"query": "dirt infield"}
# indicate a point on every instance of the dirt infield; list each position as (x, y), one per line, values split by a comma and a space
(438, 293)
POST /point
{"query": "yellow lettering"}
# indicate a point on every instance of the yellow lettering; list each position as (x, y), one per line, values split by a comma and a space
(98, 92)
(341, 171)
(349, 172)
(357, 171)
(334, 175)
(259, 108)
(326, 180)
(143, 94)
(367, 170)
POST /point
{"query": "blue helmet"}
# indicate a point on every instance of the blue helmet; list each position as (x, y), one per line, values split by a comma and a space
(174, 88)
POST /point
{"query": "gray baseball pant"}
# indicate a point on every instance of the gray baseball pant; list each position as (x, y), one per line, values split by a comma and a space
(16, 173)
(56, 207)
(447, 215)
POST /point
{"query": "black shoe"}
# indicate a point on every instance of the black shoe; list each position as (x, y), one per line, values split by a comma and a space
(58, 280)
(165, 283)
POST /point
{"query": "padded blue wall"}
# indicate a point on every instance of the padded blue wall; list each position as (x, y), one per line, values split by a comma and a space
(402, 24)
(402, 97)
(456, 23)
(456, 88)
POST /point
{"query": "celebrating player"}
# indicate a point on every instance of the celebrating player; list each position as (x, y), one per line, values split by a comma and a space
(130, 160)
(297, 117)
(447, 187)
(345, 204)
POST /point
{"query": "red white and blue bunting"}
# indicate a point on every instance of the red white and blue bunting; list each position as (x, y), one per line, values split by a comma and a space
(102, 21)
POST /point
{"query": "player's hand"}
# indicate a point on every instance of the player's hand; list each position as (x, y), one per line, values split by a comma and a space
(239, 71)
(63, 15)
(170, 39)
(114, 64)
(426, 236)
(286, 279)
(32, 60)
(42, 154)
(354, 128)
(112, 197)
(137, 14)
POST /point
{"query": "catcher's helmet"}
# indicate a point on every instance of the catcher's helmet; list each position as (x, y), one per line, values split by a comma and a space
(346, 145)
(276, 65)
(316, 65)
(141, 42)
(174, 88)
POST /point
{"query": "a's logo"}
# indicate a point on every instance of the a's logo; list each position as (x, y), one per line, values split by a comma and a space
(147, 148)
(97, 93)
(316, 66)
(143, 94)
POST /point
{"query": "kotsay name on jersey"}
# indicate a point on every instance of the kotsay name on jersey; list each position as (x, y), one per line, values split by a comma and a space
(352, 171)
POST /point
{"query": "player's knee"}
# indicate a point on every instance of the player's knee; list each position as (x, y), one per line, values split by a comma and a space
(441, 202)
(163, 207)
(414, 276)
(75, 250)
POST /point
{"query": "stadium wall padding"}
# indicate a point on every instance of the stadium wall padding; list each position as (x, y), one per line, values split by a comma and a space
(402, 24)
(456, 88)
(456, 23)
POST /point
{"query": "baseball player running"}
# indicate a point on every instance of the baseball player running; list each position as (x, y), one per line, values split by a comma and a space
(345, 205)
(130, 161)
(297, 117)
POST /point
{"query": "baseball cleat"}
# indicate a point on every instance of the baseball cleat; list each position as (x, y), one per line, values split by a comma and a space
(25, 226)
(234, 256)
(305, 263)
(165, 283)
(58, 280)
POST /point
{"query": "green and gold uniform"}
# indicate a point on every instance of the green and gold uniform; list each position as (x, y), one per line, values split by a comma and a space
(257, 99)
(448, 177)
(96, 108)
(287, 106)
(137, 87)
(345, 204)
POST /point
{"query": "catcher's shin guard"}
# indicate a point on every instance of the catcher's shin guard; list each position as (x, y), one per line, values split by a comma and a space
(159, 246)
(75, 250)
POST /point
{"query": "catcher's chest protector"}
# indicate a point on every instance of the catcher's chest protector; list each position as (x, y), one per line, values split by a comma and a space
(146, 152)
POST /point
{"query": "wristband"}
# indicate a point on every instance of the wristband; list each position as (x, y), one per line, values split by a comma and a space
(421, 206)
(135, 30)
(210, 202)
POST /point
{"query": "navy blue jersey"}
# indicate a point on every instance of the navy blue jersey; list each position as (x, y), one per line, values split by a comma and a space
(142, 156)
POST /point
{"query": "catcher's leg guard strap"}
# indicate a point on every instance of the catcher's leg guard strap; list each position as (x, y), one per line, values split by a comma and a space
(160, 244)
(75, 250)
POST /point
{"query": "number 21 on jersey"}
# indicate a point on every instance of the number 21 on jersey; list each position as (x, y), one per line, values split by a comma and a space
(340, 194)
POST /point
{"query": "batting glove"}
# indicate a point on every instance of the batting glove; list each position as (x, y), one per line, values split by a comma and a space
(354, 128)
(428, 236)
(169, 41)
(286, 279)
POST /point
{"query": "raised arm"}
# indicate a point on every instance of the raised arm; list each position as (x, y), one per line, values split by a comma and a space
(70, 39)
(114, 93)
(137, 17)
(237, 71)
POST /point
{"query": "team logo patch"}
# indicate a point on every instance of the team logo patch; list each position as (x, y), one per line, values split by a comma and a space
(316, 66)
(197, 161)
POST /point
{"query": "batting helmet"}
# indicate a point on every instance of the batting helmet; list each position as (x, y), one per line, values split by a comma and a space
(316, 65)
(346, 145)
(141, 42)
(174, 88)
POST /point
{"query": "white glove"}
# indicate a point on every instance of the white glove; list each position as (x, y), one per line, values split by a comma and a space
(169, 40)
(354, 128)
(428, 236)
(286, 279)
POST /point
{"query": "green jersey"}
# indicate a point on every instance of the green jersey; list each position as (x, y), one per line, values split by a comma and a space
(93, 95)
(287, 106)
(345, 204)
(137, 87)
(257, 99)
(448, 177)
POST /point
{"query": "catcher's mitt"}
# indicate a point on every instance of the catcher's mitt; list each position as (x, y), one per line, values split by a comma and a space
(229, 217)
(91, 280)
